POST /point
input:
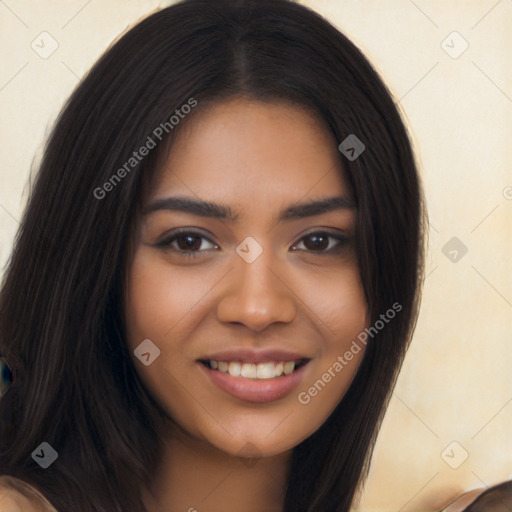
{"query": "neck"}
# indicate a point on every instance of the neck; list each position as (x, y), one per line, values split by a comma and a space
(195, 476)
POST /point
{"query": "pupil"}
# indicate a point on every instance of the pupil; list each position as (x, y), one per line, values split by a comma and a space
(319, 242)
(190, 242)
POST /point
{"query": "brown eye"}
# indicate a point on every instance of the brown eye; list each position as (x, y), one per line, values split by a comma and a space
(316, 242)
(188, 241)
(322, 243)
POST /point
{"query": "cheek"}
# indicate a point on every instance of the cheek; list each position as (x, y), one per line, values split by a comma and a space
(160, 307)
(347, 318)
(336, 302)
(159, 298)
(339, 301)
(157, 301)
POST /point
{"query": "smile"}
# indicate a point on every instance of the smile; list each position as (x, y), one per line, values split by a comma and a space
(260, 371)
(255, 382)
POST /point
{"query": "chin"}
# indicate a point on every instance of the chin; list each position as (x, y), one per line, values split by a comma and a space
(256, 439)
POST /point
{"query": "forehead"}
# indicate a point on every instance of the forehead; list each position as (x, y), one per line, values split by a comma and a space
(244, 151)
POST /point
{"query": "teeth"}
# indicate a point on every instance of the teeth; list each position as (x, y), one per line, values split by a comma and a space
(262, 371)
(234, 369)
(266, 371)
(248, 371)
(289, 367)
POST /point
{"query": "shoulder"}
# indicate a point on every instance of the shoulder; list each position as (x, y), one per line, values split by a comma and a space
(18, 496)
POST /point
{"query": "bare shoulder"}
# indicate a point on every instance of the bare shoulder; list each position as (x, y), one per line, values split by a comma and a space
(18, 496)
(12, 500)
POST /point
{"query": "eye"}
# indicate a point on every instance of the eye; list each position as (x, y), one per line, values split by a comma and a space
(321, 242)
(188, 243)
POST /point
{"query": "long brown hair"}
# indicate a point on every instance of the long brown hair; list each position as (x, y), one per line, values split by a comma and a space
(61, 320)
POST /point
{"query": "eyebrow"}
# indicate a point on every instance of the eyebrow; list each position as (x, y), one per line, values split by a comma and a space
(220, 211)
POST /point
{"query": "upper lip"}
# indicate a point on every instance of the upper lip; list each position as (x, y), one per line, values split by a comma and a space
(254, 356)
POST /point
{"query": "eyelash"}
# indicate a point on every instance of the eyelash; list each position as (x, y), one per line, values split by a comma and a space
(168, 240)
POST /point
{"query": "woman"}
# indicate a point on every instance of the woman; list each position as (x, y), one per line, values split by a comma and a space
(217, 275)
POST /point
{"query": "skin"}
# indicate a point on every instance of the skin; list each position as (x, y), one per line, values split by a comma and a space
(257, 158)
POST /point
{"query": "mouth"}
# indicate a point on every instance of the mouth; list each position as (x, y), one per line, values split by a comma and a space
(260, 382)
(259, 371)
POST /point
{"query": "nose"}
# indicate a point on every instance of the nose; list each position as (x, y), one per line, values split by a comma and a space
(257, 295)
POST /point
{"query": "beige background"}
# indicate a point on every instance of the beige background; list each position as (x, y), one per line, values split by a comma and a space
(456, 385)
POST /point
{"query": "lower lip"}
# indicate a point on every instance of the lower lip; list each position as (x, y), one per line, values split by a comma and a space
(256, 390)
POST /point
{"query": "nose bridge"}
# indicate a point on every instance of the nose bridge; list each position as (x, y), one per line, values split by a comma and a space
(257, 295)
(257, 278)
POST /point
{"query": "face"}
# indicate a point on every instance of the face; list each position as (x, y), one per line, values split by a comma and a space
(245, 280)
